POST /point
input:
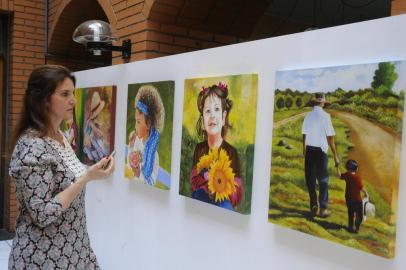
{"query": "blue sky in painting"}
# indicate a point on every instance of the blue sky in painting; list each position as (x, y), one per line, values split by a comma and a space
(351, 77)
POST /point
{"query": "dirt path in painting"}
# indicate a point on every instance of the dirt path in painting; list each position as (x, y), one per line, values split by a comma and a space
(378, 152)
(289, 119)
(377, 149)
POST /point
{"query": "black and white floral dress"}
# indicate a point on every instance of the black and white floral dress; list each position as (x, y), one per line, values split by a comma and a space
(48, 237)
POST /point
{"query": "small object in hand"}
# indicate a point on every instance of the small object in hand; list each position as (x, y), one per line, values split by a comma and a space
(108, 159)
(368, 208)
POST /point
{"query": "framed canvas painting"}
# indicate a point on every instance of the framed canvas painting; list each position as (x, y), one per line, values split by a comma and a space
(336, 153)
(218, 133)
(148, 149)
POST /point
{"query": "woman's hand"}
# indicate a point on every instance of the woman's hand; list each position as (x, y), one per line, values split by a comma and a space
(99, 170)
(96, 171)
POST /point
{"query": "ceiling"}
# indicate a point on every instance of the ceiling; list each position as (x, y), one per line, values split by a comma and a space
(291, 16)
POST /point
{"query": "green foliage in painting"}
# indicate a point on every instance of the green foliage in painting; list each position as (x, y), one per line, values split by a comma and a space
(384, 78)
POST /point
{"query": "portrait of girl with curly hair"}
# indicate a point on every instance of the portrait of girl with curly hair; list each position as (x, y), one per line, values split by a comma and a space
(146, 127)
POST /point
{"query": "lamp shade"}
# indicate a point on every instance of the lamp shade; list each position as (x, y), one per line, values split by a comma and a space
(94, 31)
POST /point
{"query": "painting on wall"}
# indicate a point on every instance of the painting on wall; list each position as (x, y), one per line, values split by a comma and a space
(218, 133)
(336, 153)
(92, 129)
(72, 129)
(98, 123)
(148, 149)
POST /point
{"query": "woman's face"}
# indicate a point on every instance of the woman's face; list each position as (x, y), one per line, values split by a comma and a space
(213, 115)
(62, 101)
(141, 125)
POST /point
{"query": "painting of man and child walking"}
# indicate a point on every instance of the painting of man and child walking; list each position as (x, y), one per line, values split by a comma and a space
(218, 133)
(148, 150)
(336, 153)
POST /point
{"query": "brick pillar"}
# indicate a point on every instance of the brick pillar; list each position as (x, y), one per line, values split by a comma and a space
(398, 7)
(26, 52)
(151, 26)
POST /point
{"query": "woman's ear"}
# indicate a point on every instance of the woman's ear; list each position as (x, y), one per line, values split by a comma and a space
(224, 117)
(47, 105)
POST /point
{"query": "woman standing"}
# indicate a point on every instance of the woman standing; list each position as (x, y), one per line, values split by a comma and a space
(50, 181)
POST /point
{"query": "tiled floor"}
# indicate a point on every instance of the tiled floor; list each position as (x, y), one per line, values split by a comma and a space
(5, 247)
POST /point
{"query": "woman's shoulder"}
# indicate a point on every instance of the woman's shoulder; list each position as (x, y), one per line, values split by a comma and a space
(31, 137)
(32, 143)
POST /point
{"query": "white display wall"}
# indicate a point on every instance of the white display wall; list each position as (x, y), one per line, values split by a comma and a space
(134, 226)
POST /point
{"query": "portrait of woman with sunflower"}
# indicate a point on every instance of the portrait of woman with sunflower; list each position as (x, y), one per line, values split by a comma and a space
(215, 176)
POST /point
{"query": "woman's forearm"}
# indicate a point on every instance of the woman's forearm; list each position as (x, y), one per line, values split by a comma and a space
(67, 196)
(96, 171)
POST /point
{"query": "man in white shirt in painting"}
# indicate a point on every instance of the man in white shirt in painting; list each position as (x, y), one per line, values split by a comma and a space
(318, 134)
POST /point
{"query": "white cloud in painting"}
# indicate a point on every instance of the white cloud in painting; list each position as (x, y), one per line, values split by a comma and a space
(327, 79)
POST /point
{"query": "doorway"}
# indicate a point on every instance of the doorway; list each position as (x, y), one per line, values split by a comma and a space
(2, 186)
(4, 48)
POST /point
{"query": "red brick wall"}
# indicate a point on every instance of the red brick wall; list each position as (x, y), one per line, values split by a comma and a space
(151, 27)
(150, 24)
(64, 17)
(26, 52)
(53, 7)
(398, 7)
(6, 5)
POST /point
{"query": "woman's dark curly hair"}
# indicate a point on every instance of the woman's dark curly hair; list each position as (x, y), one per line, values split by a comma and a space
(42, 83)
(221, 92)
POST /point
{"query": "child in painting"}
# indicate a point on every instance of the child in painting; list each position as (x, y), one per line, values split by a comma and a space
(353, 188)
(71, 132)
(94, 146)
(143, 157)
(216, 174)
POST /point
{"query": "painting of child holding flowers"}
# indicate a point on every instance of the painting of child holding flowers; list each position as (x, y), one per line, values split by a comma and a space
(149, 133)
(219, 172)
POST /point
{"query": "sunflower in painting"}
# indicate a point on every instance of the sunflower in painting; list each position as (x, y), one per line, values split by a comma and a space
(206, 160)
(221, 177)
